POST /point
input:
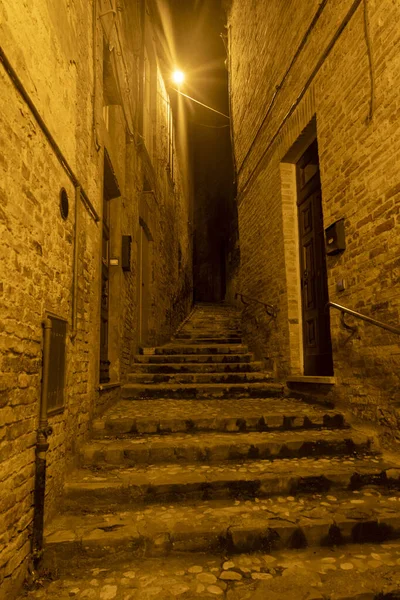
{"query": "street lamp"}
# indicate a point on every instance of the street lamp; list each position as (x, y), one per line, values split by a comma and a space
(178, 77)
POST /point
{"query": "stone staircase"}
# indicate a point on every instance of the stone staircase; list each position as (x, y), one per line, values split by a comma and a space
(205, 454)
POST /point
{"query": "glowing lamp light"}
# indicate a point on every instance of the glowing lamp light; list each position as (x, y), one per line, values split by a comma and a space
(178, 77)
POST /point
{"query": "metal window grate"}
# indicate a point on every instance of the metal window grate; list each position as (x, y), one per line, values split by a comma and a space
(55, 394)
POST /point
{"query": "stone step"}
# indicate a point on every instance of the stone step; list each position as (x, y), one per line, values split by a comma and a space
(117, 489)
(208, 331)
(204, 333)
(253, 367)
(217, 447)
(190, 416)
(199, 391)
(173, 378)
(231, 526)
(196, 340)
(310, 573)
(175, 348)
(195, 358)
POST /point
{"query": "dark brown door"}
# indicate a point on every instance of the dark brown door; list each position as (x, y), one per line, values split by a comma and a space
(314, 287)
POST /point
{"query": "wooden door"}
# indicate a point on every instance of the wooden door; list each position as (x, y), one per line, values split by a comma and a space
(314, 287)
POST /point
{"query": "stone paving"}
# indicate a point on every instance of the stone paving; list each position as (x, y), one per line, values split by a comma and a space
(214, 409)
(242, 526)
(173, 416)
(213, 490)
(249, 479)
(354, 572)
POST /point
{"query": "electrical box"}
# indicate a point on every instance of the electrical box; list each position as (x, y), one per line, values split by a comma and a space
(126, 252)
(335, 240)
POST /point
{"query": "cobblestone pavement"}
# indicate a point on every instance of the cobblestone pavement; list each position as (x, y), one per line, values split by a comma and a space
(151, 474)
(356, 571)
(180, 409)
(183, 498)
(202, 525)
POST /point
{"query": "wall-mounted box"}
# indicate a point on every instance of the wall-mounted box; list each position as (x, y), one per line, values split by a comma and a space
(126, 252)
(335, 240)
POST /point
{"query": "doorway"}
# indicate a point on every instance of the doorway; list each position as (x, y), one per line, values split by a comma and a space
(144, 281)
(317, 346)
(105, 291)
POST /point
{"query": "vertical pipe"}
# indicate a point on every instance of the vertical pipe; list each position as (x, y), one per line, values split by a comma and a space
(44, 430)
(75, 266)
(94, 124)
(141, 66)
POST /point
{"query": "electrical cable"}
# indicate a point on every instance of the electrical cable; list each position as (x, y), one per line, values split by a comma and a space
(370, 62)
(201, 103)
(131, 129)
(94, 120)
(280, 85)
(52, 142)
(209, 126)
(308, 83)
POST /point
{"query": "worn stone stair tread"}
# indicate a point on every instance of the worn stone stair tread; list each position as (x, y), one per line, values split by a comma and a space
(163, 416)
(199, 390)
(202, 334)
(238, 526)
(209, 340)
(153, 483)
(313, 573)
(202, 378)
(217, 446)
(198, 358)
(198, 367)
(176, 348)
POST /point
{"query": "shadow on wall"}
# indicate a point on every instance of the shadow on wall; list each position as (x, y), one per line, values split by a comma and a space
(257, 327)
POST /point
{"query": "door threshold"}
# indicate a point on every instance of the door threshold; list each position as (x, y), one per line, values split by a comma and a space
(317, 379)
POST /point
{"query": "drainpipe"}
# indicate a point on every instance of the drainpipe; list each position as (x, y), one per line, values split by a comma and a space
(44, 430)
(75, 266)
(141, 66)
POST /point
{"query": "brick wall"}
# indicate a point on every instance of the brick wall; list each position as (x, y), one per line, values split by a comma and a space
(51, 49)
(359, 172)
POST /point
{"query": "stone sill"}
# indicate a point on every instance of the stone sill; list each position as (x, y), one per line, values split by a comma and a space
(109, 386)
(317, 379)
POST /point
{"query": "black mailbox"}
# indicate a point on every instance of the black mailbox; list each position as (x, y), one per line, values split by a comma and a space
(126, 252)
(335, 241)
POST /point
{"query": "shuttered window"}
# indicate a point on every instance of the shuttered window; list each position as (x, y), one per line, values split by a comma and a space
(56, 383)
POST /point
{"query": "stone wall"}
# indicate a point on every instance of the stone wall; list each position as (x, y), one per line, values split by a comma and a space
(293, 64)
(56, 51)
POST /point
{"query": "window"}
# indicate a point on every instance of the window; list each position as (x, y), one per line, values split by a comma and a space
(56, 377)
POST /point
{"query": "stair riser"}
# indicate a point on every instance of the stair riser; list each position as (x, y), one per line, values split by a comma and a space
(201, 349)
(199, 378)
(130, 457)
(245, 539)
(170, 369)
(200, 392)
(124, 497)
(195, 358)
(193, 340)
(125, 426)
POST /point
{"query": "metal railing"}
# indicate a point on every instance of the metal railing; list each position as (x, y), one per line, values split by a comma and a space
(357, 315)
(269, 308)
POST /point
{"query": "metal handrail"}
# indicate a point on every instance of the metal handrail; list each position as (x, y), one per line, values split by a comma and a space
(358, 315)
(270, 308)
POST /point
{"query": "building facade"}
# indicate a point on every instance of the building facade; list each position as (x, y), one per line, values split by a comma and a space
(315, 118)
(96, 240)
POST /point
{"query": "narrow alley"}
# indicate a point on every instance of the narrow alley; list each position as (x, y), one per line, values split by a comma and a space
(200, 300)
